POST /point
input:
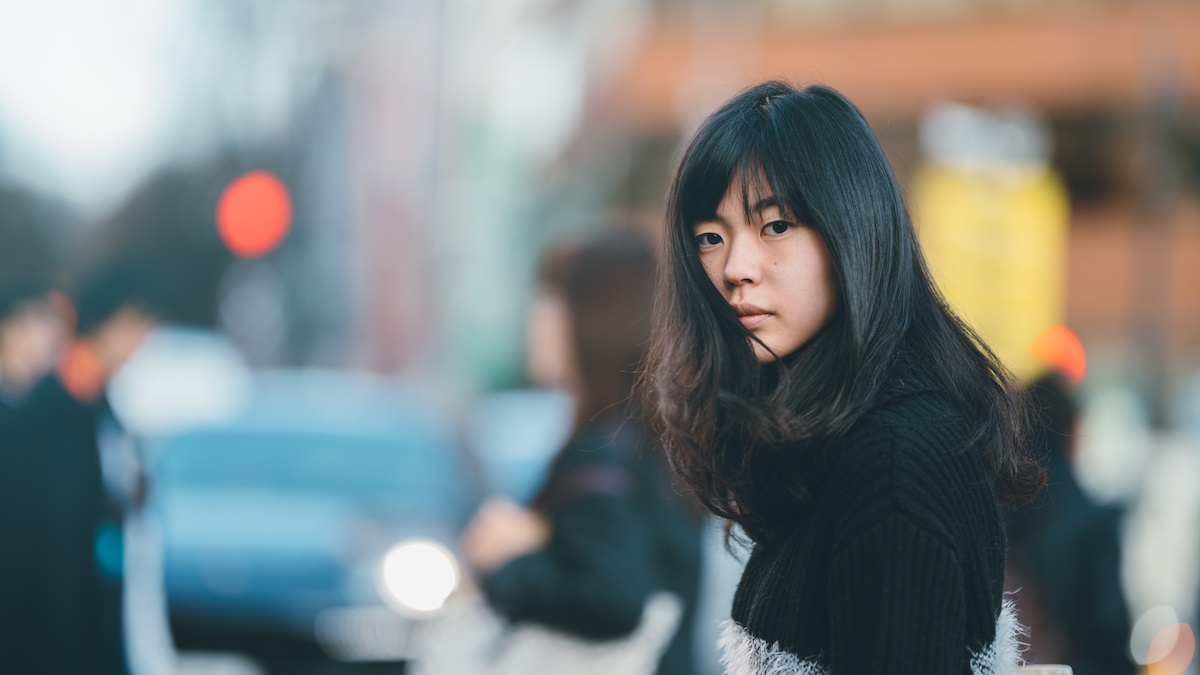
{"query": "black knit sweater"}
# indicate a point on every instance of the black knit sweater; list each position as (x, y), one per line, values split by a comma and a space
(897, 565)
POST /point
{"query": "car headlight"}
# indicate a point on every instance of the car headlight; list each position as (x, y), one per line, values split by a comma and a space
(416, 576)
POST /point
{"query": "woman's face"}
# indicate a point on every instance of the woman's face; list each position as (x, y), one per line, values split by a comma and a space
(775, 272)
(549, 347)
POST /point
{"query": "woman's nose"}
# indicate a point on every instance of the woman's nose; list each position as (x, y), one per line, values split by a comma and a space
(743, 266)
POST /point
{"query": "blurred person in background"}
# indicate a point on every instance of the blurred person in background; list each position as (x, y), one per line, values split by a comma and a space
(606, 529)
(74, 481)
(1065, 552)
(31, 334)
(31, 321)
(816, 390)
(31, 331)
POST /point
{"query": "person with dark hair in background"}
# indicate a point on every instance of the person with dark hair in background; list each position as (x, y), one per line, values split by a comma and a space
(31, 334)
(66, 534)
(606, 529)
(31, 328)
(1065, 553)
(31, 325)
(815, 389)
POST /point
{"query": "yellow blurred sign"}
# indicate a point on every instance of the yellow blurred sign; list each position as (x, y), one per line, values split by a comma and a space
(995, 239)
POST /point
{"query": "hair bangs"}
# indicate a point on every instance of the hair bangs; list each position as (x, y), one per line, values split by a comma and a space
(729, 147)
(779, 178)
(757, 151)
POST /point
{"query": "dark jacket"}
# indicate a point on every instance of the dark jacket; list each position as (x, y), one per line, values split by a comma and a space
(60, 614)
(618, 532)
(1065, 559)
(897, 564)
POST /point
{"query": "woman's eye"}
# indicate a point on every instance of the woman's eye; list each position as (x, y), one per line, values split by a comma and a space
(708, 239)
(777, 227)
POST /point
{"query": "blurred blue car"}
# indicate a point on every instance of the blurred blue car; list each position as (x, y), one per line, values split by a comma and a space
(325, 512)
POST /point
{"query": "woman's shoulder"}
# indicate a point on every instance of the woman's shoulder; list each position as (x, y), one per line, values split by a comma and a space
(599, 460)
(601, 444)
(912, 418)
(910, 454)
(913, 428)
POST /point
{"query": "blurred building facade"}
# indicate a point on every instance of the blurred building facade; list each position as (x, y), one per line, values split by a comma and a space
(1118, 84)
(433, 146)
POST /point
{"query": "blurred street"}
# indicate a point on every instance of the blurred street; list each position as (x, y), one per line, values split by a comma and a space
(271, 278)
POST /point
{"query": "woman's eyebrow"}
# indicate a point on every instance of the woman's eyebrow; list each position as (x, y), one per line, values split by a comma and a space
(765, 203)
(759, 206)
(714, 218)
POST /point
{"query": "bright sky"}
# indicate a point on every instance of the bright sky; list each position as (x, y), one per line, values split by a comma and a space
(85, 95)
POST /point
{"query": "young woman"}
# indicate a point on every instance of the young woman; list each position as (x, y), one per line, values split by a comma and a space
(814, 388)
(606, 529)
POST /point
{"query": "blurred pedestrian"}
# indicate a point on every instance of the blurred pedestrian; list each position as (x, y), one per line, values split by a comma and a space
(31, 322)
(1065, 553)
(606, 529)
(816, 390)
(67, 533)
(31, 333)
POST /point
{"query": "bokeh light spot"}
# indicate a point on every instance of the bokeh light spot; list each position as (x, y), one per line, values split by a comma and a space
(1162, 643)
(1174, 647)
(254, 214)
(1061, 349)
(420, 574)
(1157, 621)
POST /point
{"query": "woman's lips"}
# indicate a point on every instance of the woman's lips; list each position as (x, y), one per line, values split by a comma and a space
(751, 321)
(749, 315)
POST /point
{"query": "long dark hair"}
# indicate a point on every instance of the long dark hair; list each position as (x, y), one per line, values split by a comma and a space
(606, 284)
(747, 438)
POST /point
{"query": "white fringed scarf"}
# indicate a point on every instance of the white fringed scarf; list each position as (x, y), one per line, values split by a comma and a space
(744, 654)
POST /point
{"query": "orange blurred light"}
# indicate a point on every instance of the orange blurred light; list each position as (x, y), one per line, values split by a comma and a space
(1061, 349)
(254, 214)
(1178, 644)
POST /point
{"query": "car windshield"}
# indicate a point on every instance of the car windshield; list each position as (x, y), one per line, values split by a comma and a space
(349, 466)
